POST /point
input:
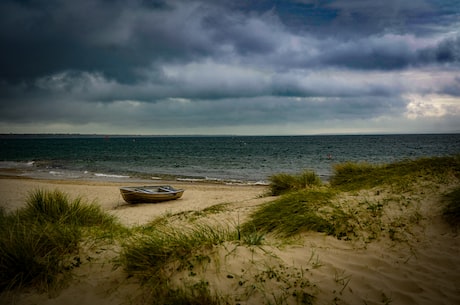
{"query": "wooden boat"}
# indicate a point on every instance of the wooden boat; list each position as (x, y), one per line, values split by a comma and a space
(150, 194)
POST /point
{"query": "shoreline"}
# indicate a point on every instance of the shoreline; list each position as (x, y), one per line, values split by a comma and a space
(238, 160)
(197, 195)
(30, 170)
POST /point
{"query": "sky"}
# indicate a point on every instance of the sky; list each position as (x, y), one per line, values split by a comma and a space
(185, 67)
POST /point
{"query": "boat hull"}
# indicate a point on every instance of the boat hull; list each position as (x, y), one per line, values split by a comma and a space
(150, 194)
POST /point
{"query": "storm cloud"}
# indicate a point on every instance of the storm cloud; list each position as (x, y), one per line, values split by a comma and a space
(229, 67)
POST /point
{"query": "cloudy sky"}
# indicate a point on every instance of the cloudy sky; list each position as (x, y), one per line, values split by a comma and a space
(229, 67)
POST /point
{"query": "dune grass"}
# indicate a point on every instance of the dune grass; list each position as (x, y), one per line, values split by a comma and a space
(56, 207)
(282, 183)
(314, 208)
(158, 252)
(34, 254)
(146, 255)
(355, 176)
(300, 211)
(38, 241)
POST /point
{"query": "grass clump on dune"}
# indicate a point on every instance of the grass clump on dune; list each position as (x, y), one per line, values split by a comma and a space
(146, 255)
(282, 183)
(165, 244)
(319, 209)
(300, 211)
(56, 207)
(355, 176)
(38, 241)
(155, 255)
(33, 254)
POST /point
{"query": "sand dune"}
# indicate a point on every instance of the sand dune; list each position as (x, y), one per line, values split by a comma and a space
(419, 265)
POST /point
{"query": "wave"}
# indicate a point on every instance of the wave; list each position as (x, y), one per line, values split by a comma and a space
(111, 176)
(16, 164)
(222, 181)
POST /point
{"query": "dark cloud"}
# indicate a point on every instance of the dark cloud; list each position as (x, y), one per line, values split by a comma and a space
(390, 52)
(385, 52)
(114, 38)
(446, 52)
(117, 38)
(453, 88)
(225, 63)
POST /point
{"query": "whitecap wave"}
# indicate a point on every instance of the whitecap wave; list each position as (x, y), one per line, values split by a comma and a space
(110, 176)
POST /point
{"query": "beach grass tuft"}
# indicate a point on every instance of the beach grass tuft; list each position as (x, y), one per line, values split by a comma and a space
(282, 183)
(156, 253)
(146, 255)
(159, 256)
(317, 208)
(300, 211)
(34, 254)
(56, 207)
(38, 241)
(355, 176)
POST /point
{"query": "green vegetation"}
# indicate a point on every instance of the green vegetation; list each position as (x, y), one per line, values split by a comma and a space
(356, 176)
(316, 208)
(33, 254)
(147, 255)
(55, 207)
(283, 183)
(300, 211)
(154, 257)
(452, 209)
(161, 251)
(169, 256)
(37, 243)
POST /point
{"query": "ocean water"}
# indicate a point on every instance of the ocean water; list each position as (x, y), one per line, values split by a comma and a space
(239, 159)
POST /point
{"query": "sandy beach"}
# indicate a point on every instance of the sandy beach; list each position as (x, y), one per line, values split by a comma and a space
(421, 267)
(196, 197)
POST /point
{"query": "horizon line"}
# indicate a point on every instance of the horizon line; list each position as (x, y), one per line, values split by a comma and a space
(106, 135)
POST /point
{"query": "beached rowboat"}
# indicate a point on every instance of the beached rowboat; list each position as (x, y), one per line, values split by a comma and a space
(150, 194)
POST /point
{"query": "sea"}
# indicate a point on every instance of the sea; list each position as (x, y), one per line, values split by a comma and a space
(220, 159)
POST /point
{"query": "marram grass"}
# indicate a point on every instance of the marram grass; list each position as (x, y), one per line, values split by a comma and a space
(313, 208)
(300, 211)
(283, 183)
(56, 207)
(34, 254)
(147, 254)
(37, 242)
(156, 254)
(355, 176)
